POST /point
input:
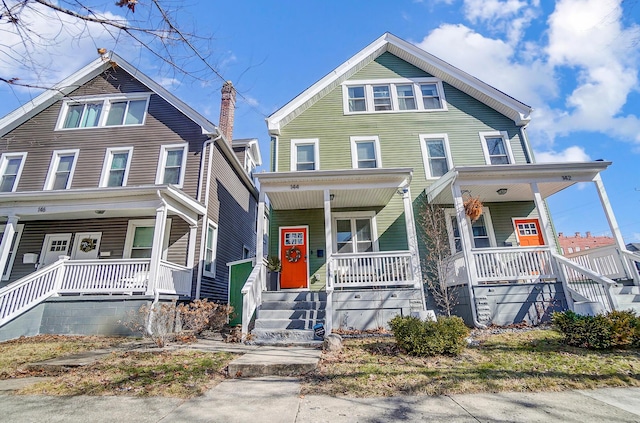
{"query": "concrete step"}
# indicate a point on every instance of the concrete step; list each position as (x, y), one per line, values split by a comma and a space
(275, 361)
(628, 298)
(625, 290)
(293, 305)
(292, 314)
(282, 324)
(294, 296)
(282, 336)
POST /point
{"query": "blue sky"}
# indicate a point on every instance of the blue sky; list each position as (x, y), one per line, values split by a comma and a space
(574, 61)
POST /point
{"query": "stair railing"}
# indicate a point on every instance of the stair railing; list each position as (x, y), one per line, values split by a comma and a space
(252, 294)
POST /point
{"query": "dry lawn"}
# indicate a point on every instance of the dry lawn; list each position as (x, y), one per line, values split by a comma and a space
(526, 361)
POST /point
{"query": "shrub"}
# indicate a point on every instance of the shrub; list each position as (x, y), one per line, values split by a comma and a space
(156, 322)
(200, 315)
(417, 337)
(617, 329)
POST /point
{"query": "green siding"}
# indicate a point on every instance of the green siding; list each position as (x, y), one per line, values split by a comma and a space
(502, 215)
(389, 66)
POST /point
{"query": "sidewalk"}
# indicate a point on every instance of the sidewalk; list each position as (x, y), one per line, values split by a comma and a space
(276, 399)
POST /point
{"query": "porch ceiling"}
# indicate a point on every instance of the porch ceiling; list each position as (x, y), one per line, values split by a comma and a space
(485, 181)
(348, 188)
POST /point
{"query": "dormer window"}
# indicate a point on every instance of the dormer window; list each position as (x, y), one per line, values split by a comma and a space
(392, 96)
(112, 110)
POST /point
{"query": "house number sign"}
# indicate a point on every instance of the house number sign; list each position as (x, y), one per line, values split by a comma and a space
(566, 177)
(42, 209)
(295, 186)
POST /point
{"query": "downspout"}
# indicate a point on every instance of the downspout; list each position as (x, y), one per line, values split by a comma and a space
(527, 146)
(208, 143)
(466, 253)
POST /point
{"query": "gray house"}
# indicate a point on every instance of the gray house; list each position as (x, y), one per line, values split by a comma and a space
(114, 192)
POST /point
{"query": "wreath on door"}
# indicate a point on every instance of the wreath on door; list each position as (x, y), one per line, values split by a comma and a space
(87, 244)
(293, 254)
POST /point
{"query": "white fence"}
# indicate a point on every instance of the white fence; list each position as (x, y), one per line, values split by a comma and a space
(174, 278)
(105, 277)
(529, 264)
(389, 268)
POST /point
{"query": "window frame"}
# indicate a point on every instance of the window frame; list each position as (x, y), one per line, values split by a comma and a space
(507, 145)
(353, 216)
(451, 213)
(145, 223)
(294, 153)
(12, 251)
(108, 161)
(4, 161)
(162, 160)
(425, 153)
(53, 168)
(214, 250)
(106, 101)
(393, 83)
(376, 150)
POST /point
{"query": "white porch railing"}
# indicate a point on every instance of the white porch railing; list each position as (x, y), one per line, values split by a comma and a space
(174, 278)
(252, 294)
(129, 276)
(457, 269)
(528, 264)
(388, 268)
(587, 283)
(603, 260)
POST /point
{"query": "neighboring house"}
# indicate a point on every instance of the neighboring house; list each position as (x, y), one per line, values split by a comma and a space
(109, 184)
(356, 156)
(575, 244)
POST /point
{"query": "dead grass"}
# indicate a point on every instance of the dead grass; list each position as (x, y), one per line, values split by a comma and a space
(181, 374)
(528, 361)
(15, 354)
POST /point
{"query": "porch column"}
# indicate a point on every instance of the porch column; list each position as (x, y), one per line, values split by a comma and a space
(328, 233)
(544, 217)
(260, 229)
(156, 251)
(7, 239)
(615, 229)
(465, 233)
(412, 237)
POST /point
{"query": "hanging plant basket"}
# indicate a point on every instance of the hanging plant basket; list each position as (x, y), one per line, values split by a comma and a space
(473, 208)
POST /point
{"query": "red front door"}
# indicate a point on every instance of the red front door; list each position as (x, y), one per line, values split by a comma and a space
(293, 256)
(528, 231)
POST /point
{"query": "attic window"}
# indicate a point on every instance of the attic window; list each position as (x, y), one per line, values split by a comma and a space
(113, 110)
(393, 96)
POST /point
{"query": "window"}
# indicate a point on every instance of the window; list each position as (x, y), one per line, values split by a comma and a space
(354, 232)
(365, 152)
(139, 239)
(393, 95)
(406, 99)
(11, 166)
(305, 154)
(172, 163)
(436, 155)
(496, 148)
(211, 242)
(63, 163)
(115, 170)
(111, 110)
(481, 231)
(12, 250)
(246, 252)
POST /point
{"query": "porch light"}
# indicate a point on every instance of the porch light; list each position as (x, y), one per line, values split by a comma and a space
(502, 191)
(99, 211)
(331, 197)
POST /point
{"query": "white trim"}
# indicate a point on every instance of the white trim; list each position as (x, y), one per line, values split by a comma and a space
(108, 160)
(376, 148)
(45, 245)
(162, 160)
(505, 139)
(425, 153)
(392, 83)
(305, 141)
(449, 213)
(214, 249)
(53, 168)
(307, 242)
(3, 167)
(276, 150)
(131, 227)
(352, 215)
(106, 100)
(16, 244)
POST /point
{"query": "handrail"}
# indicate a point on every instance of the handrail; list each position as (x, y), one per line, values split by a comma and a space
(604, 282)
(252, 295)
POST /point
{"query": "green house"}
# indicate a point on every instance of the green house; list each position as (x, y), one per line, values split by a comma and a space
(357, 159)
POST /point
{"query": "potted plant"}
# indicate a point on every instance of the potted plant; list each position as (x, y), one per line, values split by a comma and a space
(273, 267)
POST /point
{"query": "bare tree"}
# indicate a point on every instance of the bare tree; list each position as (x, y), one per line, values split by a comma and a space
(437, 262)
(31, 31)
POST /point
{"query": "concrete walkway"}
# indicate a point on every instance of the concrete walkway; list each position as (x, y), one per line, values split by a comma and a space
(275, 399)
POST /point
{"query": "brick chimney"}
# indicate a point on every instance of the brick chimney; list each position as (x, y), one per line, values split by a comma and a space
(227, 110)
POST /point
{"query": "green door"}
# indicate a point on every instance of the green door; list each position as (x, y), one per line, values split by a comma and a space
(239, 272)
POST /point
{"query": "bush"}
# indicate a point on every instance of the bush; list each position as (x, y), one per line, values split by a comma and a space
(617, 329)
(200, 315)
(417, 337)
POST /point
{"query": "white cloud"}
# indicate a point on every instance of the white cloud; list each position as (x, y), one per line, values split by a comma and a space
(571, 154)
(168, 82)
(635, 237)
(489, 10)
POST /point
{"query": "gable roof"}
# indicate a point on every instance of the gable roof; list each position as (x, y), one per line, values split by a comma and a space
(252, 145)
(485, 93)
(84, 75)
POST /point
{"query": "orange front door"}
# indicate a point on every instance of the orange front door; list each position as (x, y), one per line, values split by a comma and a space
(529, 234)
(293, 255)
